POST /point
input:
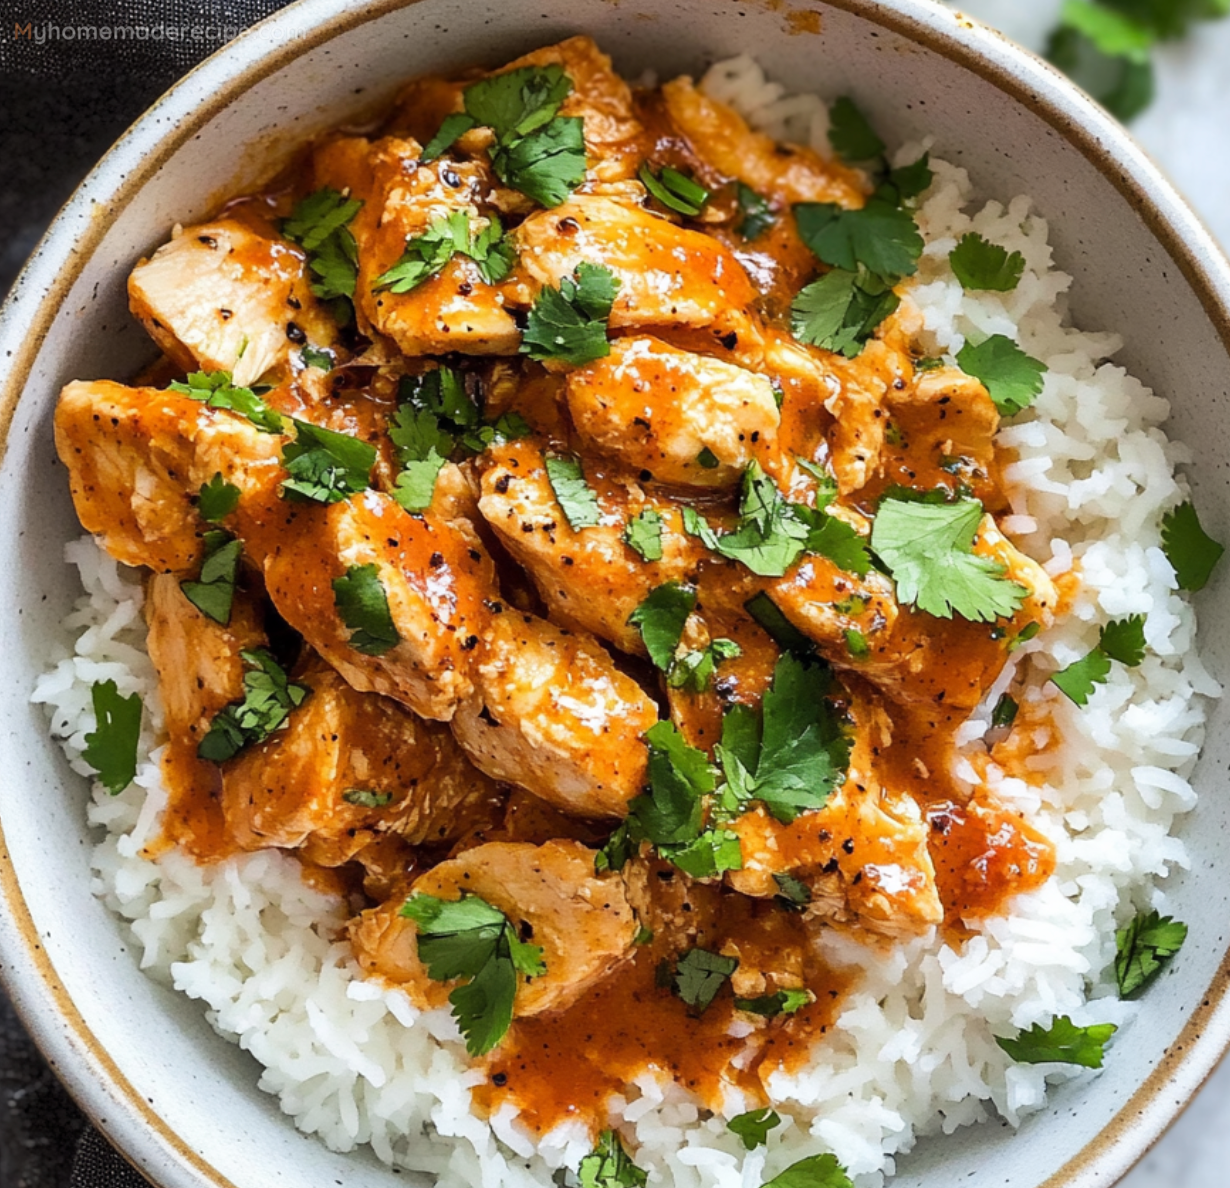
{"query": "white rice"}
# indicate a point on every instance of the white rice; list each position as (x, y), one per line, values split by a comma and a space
(913, 1052)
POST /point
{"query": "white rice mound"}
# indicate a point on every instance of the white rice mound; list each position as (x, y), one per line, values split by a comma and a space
(913, 1051)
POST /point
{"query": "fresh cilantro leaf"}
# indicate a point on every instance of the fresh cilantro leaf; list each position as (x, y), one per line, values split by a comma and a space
(1061, 1043)
(215, 390)
(574, 495)
(643, 534)
(570, 323)
(913, 180)
(1078, 680)
(816, 1171)
(452, 129)
(213, 593)
(363, 605)
(548, 164)
(982, 266)
(1023, 636)
(769, 1006)
(880, 237)
(852, 137)
(268, 697)
(769, 538)
(694, 669)
(111, 747)
(676, 191)
(366, 799)
(754, 1126)
(311, 356)
(325, 466)
(680, 776)
(1011, 377)
(320, 224)
(699, 975)
(619, 848)
(708, 856)
(841, 311)
(708, 459)
(468, 938)
(446, 236)
(830, 537)
(416, 483)
(660, 619)
(1192, 553)
(795, 893)
(1005, 711)
(783, 632)
(440, 391)
(610, 1166)
(217, 499)
(928, 550)
(1143, 948)
(696, 525)
(417, 434)
(1124, 640)
(755, 214)
(516, 102)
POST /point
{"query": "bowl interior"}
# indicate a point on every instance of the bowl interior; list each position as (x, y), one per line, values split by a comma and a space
(182, 1101)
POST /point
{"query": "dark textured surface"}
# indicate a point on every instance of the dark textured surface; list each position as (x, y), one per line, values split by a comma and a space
(62, 104)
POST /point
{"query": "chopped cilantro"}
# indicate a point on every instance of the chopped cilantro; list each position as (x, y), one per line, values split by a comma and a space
(643, 534)
(469, 939)
(660, 619)
(452, 129)
(570, 323)
(880, 237)
(213, 593)
(713, 853)
(708, 459)
(574, 495)
(447, 236)
(320, 224)
(268, 697)
(363, 605)
(1122, 640)
(610, 1166)
(1005, 711)
(217, 499)
(856, 643)
(325, 466)
(1061, 1043)
(215, 390)
(928, 550)
(783, 632)
(841, 311)
(1011, 377)
(363, 798)
(676, 191)
(1144, 948)
(423, 447)
(111, 747)
(783, 1002)
(699, 975)
(754, 1126)
(755, 214)
(311, 356)
(693, 670)
(769, 537)
(1023, 636)
(1192, 553)
(792, 892)
(982, 266)
(680, 775)
(852, 137)
(913, 180)
(816, 1171)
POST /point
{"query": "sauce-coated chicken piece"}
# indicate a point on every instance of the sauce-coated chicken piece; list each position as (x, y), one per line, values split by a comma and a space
(433, 575)
(136, 459)
(221, 297)
(590, 579)
(863, 857)
(550, 894)
(688, 420)
(784, 173)
(668, 275)
(455, 310)
(347, 768)
(552, 713)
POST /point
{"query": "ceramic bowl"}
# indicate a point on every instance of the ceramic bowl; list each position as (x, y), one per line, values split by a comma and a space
(179, 1101)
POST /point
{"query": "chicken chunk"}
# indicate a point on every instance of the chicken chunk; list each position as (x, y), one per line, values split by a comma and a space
(553, 714)
(221, 297)
(348, 768)
(433, 576)
(863, 857)
(136, 459)
(590, 579)
(668, 275)
(689, 420)
(455, 310)
(549, 893)
(783, 173)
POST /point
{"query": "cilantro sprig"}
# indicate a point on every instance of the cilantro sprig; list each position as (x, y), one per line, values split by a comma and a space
(570, 323)
(983, 266)
(449, 235)
(816, 1171)
(610, 1166)
(268, 698)
(660, 619)
(841, 311)
(575, 496)
(753, 1127)
(643, 534)
(215, 389)
(217, 499)
(1191, 551)
(1012, 378)
(320, 224)
(694, 670)
(363, 606)
(1122, 640)
(1144, 948)
(880, 237)
(325, 466)
(699, 975)
(1063, 1042)
(469, 940)
(851, 135)
(928, 549)
(213, 592)
(111, 747)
